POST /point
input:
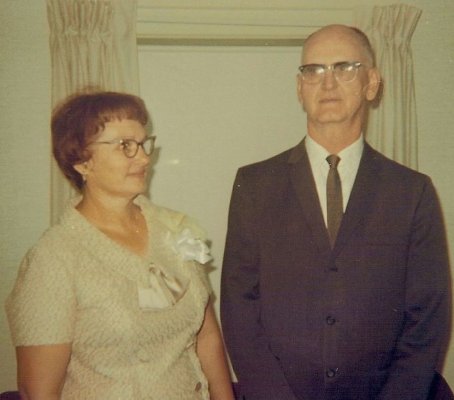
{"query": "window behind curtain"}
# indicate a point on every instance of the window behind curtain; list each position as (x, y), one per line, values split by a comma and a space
(213, 110)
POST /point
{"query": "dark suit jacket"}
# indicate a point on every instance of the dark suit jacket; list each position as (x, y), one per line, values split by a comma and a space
(363, 320)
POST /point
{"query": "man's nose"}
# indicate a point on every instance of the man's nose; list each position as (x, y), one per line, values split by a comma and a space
(329, 79)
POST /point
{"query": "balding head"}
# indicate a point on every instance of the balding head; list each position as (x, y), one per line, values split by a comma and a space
(336, 102)
(335, 33)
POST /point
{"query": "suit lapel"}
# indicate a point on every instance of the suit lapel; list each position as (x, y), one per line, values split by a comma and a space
(359, 204)
(304, 185)
(361, 198)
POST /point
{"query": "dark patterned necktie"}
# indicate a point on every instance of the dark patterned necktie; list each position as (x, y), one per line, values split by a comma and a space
(333, 198)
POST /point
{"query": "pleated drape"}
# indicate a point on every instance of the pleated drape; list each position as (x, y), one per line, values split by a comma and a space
(392, 127)
(93, 45)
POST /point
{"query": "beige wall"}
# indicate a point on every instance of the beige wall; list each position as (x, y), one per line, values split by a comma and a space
(24, 143)
(25, 108)
(433, 50)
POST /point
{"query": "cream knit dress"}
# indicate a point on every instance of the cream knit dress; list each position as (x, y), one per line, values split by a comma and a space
(78, 286)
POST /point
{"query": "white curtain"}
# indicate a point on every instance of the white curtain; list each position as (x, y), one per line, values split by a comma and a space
(93, 44)
(392, 127)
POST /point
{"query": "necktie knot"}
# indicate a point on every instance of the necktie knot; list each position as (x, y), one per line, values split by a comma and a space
(333, 160)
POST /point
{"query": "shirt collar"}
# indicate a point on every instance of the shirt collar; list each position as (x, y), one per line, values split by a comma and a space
(350, 156)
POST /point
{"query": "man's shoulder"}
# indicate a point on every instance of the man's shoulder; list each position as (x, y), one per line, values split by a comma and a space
(274, 163)
(391, 167)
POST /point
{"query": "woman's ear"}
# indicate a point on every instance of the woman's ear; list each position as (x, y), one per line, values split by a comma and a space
(83, 169)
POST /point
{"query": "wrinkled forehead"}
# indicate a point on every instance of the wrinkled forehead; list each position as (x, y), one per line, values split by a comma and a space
(332, 45)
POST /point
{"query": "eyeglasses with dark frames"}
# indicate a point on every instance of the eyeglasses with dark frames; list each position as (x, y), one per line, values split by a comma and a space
(130, 147)
(344, 71)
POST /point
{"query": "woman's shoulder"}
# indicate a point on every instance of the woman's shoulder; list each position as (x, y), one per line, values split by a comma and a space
(58, 240)
(53, 237)
(48, 254)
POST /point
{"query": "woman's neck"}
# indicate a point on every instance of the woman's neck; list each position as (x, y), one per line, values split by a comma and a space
(120, 219)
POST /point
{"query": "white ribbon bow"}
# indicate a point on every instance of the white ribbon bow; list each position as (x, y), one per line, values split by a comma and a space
(191, 248)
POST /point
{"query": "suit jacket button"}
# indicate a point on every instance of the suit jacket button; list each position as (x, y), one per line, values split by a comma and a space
(198, 387)
(331, 372)
(330, 320)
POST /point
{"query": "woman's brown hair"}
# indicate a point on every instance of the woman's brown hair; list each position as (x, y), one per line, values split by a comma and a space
(79, 118)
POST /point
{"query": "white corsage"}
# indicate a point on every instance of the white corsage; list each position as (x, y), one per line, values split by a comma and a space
(190, 247)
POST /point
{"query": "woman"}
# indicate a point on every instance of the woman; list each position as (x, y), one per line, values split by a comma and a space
(112, 302)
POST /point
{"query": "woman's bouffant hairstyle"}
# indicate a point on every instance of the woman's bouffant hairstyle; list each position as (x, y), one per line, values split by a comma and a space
(79, 118)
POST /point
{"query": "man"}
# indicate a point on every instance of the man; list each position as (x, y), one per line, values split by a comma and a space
(323, 305)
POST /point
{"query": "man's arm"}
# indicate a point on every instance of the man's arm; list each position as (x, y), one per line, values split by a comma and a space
(427, 305)
(259, 373)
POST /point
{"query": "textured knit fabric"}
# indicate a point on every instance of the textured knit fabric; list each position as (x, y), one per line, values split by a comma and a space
(78, 286)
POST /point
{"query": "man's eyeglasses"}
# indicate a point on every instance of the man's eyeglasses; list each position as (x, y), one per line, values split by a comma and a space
(130, 147)
(343, 71)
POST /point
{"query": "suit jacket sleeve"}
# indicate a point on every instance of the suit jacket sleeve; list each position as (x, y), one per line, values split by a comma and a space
(258, 371)
(427, 304)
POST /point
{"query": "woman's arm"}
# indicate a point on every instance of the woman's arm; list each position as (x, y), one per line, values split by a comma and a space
(210, 349)
(41, 370)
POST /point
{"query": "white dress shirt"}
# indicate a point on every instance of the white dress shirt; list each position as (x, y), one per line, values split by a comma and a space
(347, 167)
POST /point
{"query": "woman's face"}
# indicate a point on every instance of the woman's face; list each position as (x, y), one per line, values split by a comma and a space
(109, 171)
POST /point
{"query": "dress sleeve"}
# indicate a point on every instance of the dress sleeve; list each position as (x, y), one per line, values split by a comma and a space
(41, 307)
(202, 274)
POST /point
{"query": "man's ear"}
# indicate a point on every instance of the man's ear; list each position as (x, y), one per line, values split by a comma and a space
(374, 84)
(299, 88)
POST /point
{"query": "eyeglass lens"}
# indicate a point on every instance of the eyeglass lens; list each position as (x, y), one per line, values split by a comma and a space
(343, 71)
(131, 147)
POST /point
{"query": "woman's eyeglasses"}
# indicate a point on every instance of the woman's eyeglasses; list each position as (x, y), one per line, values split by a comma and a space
(130, 147)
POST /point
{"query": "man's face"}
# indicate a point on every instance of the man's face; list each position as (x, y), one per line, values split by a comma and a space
(333, 101)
